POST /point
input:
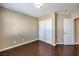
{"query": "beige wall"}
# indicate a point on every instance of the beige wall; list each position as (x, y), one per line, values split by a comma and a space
(60, 20)
(0, 28)
(16, 27)
(77, 30)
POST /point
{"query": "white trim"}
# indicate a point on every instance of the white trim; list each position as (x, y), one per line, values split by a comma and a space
(76, 43)
(69, 44)
(75, 17)
(49, 43)
(59, 43)
(18, 45)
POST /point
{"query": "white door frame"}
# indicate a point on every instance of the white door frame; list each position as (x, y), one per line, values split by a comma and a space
(73, 34)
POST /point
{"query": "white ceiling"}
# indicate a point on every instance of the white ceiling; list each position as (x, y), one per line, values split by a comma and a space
(30, 9)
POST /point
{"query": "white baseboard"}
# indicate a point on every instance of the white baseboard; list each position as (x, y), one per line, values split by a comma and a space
(65, 44)
(76, 43)
(49, 43)
(69, 44)
(60, 43)
(17, 45)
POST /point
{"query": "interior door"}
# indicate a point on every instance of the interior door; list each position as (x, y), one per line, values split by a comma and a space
(69, 31)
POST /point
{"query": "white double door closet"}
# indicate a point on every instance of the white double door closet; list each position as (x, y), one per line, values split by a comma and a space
(47, 29)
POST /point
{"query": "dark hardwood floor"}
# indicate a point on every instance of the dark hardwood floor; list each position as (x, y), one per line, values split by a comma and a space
(39, 48)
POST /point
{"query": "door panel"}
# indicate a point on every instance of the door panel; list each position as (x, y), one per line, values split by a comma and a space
(41, 30)
(45, 30)
(69, 31)
(48, 30)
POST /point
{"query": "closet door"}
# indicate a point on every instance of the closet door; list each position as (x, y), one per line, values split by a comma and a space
(41, 30)
(69, 32)
(48, 30)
